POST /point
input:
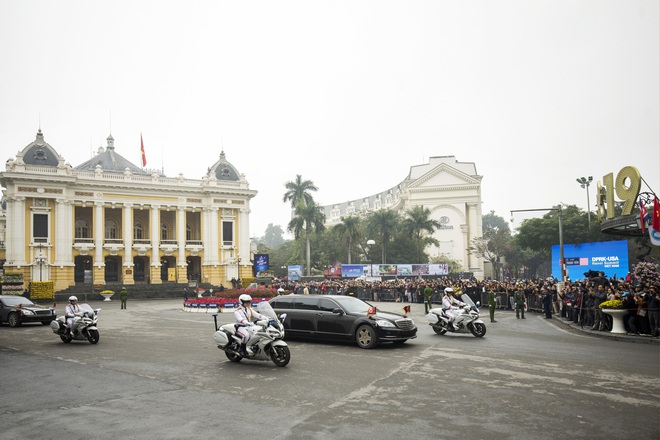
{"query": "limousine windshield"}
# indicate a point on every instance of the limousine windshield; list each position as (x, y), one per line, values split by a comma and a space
(352, 305)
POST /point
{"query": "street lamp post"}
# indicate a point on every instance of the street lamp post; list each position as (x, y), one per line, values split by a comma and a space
(584, 183)
(40, 259)
(371, 261)
(561, 237)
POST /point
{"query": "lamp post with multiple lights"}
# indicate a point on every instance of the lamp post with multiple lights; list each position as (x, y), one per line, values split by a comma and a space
(584, 183)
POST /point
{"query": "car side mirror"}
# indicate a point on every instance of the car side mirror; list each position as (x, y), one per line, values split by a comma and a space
(338, 311)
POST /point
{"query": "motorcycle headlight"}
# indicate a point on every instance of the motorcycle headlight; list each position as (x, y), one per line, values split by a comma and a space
(384, 323)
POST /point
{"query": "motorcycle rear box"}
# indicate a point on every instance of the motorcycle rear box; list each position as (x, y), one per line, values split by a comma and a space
(220, 338)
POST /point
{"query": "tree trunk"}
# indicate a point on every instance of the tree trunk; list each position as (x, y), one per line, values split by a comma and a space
(308, 256)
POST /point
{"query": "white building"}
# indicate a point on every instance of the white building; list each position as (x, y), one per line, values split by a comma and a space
(107, 220)
(451, 190)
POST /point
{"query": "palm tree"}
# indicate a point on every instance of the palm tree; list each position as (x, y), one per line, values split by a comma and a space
(297, 226)
(384, 222)
(349, 230)
(298, 190)
(420, 226)
(298, 194)
(307, 218)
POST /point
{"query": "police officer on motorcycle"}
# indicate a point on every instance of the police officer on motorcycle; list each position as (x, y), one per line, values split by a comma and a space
(245, 322)
(70, 311)
(451, 305)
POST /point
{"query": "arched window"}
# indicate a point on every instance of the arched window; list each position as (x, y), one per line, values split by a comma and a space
(138, 231)
(189, 233)
(163, 231)
(82, 228)
(110, 229)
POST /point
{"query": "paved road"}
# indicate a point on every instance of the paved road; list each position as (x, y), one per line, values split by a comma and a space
(156, 374)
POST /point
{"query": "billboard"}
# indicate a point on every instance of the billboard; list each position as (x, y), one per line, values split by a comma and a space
(294, 272)
(610, 257)
(260, 263)
(352, 270)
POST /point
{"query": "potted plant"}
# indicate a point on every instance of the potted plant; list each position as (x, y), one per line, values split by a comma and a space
(106, 294)
(614, 308)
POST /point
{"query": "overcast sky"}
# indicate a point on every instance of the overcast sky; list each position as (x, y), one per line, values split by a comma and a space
(349, 94)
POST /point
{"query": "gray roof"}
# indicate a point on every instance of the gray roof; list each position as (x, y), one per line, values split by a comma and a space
(110, 161)
(223, 170)
(40, 153)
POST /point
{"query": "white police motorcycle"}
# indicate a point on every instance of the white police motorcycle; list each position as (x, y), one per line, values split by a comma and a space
(83, 328)
(266, 343)
(466, 321)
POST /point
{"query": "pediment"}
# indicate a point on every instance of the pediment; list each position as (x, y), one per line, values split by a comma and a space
(444, 176)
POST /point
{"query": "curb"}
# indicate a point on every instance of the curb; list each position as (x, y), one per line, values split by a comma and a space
(644, 339)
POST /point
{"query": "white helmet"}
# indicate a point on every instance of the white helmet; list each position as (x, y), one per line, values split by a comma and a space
(73, 298)
(245, 298)
(449, 291)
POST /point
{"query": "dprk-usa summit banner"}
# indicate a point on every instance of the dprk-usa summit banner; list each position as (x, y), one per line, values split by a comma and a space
(610, 257)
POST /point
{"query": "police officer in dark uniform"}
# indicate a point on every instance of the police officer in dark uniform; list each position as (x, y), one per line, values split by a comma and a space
(519, 299)
(491, 304)
(547, 303)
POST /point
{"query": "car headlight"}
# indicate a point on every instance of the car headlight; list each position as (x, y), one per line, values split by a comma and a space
(384, 323)
(27, 312)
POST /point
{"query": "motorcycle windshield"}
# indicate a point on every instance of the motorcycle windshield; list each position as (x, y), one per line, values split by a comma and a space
(86, 308)
(467, 300)
(266, 309)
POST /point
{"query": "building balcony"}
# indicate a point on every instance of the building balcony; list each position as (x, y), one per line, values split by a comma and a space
(83, 245)
(113, 245)
(194, 246)
(168, 246)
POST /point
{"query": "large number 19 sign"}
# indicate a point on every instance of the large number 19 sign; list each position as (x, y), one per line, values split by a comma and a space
(627, 185)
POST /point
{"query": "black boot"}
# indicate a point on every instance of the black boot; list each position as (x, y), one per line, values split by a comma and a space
(242, 351)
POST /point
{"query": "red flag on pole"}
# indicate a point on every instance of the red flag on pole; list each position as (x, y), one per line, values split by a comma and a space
(144, 156)
(656, 213)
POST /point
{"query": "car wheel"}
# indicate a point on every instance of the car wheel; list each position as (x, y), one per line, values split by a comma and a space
(93, 336)
(13, 320)
(366, 337)
(477, 329)
(280, 355)
(439, 330)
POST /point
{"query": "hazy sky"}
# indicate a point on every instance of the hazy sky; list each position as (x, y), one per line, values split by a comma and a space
(349, 94)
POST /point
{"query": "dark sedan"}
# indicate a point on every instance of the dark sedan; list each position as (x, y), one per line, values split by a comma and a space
(15, 310)
(341, 318)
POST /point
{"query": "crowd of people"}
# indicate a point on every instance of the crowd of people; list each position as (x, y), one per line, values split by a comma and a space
(578, 301)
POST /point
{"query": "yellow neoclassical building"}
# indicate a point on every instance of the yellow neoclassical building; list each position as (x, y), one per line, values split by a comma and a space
(110, 221)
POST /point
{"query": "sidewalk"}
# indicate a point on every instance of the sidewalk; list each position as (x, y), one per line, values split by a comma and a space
(617, 336)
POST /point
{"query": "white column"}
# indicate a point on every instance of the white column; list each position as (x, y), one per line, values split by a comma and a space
(99, 234)
(18, 235)
(128, 234)
(10, 232)
(155, 236)
(213, 244)
(244, 235)
(466, 242)
(181, 235)
(63, 243)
